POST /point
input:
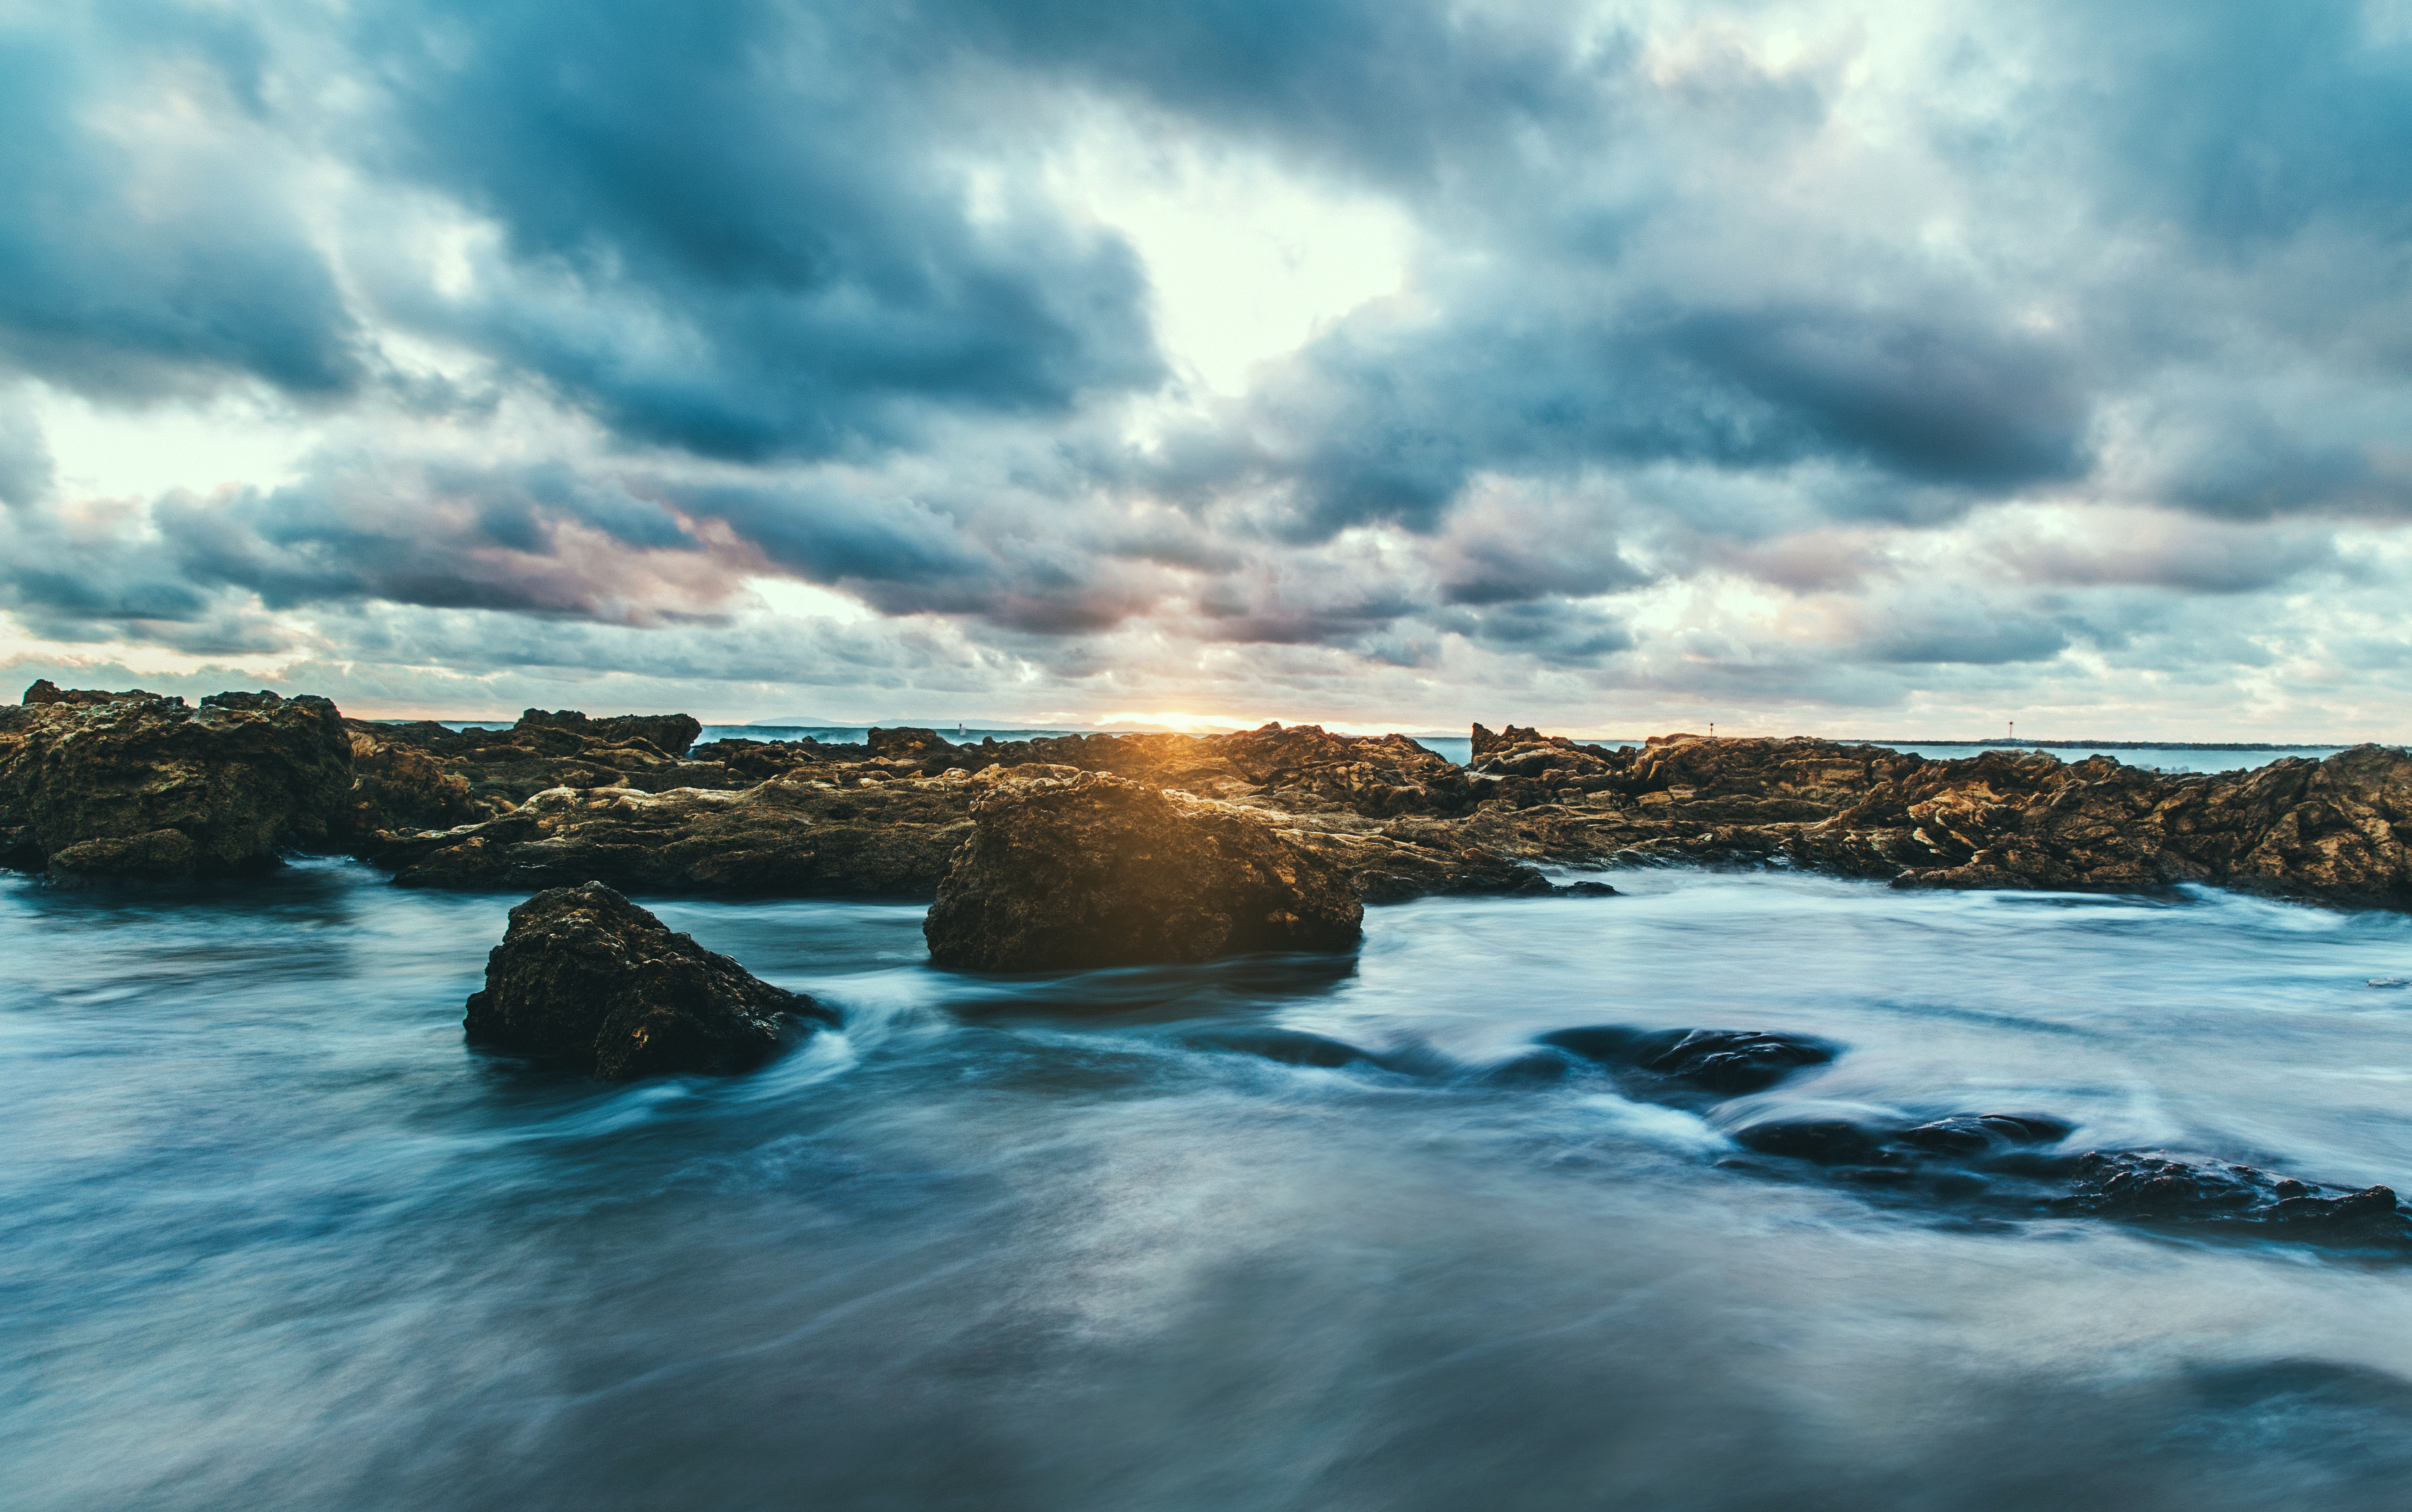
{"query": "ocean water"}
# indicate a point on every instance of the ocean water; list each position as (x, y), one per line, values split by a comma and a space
(272, 1237)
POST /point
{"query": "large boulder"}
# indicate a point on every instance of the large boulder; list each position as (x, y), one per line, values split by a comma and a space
(132, 785)
(585, 977)
(1099, 870)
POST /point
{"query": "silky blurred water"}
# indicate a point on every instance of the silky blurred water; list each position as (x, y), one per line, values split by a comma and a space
(271, 1236)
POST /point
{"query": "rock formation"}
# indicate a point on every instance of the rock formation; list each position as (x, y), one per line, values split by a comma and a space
(100, 785)
(2000, 1166)
(670, 734)
(792, 836)
(1101, 871)
(587, 977)
(2322, 830)
(418, 776)
(561, 797)
(1726, 1062)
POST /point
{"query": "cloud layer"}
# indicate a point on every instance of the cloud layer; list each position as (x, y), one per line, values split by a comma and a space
(1800, 365)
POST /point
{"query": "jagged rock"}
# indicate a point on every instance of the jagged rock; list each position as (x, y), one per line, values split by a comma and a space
(670, 734)
(398, 784)
(2155, 1189)
(1403, 823)
(791, 837)
(419, 775)
(1297, 769)
(761, 760)
(46, 691)
(2324, 830)
(588, 977)
(93, 782)
(1726, 1062)
(160, 855)
(1099, 870)
(1962, 1138)
(1998, 1164)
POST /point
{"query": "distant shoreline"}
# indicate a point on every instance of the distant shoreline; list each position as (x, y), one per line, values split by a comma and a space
(2122, 745)
(1996, 743)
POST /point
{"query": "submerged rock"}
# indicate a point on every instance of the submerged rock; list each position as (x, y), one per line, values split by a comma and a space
(1727, 1062)
(1098, 871)
(2155, 1189)
(1999, 1164)
(1961, 1138)
(1290, 1047)
(98, 786)
(586, 977)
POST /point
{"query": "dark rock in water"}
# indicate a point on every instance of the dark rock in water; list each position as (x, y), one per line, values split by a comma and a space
(1587, 890)
(1729, 1061)
(161, 856)
(586, 975)
(1964, 1138)
(1995, 1163)
(95, 783)
(1097, 871)
(2155, 1189)
(1292, 1047)
(1969, 1134)
(1822, 1141)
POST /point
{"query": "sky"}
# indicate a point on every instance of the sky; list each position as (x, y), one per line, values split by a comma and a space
(1807, 368)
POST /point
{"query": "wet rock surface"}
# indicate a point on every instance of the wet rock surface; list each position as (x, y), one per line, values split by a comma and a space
(414, 777)
(1101, 871)
(588, 978)
(1290, 1047)
(2320, 830)
(99, 786)
(792, 836)
(1996, 1168)
(1406, 823)
(2156, 1189)
(480, 808)
(1726, 1062)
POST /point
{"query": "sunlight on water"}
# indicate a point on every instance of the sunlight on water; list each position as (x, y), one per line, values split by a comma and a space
(273, 1237)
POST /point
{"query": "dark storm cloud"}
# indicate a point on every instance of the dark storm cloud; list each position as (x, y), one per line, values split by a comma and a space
(1684, 306)
(737, 229)
(2255, 123)
(1968, 636)
(141, 258)
(540, 539)
(1556, 632)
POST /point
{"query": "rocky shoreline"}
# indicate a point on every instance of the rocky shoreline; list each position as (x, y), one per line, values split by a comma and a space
(100, 785)
(1095, 851)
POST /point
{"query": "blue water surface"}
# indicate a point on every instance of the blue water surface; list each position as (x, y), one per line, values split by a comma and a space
(273, 1236)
